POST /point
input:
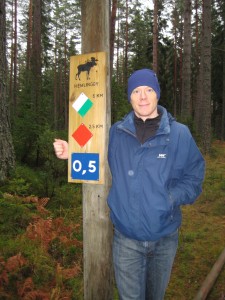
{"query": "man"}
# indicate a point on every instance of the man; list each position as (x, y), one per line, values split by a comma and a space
(156, 167)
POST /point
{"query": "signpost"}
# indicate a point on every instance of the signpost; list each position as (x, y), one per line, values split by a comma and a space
(89, 123)
(87, 118)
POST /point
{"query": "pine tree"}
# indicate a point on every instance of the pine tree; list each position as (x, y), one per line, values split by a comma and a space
(155, 37)
(206, 77)
(186, 67)
(7, 158)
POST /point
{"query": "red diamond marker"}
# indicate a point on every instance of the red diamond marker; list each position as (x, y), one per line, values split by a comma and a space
(82, 135)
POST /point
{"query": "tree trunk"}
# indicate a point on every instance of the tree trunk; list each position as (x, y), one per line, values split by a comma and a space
(186, 67)
(36, 72)
(112, 41)
(65, 82)
(10, 85)
(112, 32)
(196, 58)
(223, 98)
(55, 93)
(175, 77)
(199, 99)
(126, 46)
(180, 73)
(97, 227)
(29, 34)
(206, 77)
(36, 53)
(7, 157)
(15, 61)
(223, 94)
(155, 37)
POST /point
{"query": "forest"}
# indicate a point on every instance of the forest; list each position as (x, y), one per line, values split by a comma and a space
(40, 215)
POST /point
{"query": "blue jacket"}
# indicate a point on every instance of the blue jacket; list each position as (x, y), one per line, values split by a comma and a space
(151, 181)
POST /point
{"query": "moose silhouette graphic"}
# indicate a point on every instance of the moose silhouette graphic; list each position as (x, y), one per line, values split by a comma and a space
(86, 67)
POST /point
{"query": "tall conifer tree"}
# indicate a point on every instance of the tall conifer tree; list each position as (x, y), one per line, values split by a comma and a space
(7, 158)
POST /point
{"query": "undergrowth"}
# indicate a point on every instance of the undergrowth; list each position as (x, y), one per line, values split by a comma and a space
(202, 235)
(41, 236)
(41, 246)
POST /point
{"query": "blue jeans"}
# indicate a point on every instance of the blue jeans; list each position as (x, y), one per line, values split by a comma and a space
(142, 269)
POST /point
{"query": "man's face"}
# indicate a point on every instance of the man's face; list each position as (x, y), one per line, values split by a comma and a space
(144, 102)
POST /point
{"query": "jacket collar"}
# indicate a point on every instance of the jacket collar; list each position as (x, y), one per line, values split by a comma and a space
(127, 123)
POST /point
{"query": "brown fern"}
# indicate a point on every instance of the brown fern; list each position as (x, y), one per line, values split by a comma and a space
(26, 287)
(71, 272)
(15, 262)
(4, 280)
(41, 230)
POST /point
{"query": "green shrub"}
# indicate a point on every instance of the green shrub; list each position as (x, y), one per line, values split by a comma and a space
(38, 264)
(41, 172)
(14, 216)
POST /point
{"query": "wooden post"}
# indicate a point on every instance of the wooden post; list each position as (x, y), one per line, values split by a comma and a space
(97, 228)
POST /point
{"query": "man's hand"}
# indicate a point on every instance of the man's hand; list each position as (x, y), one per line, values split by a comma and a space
(61, 149)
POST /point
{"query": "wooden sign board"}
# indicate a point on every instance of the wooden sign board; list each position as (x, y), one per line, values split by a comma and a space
(87, 118)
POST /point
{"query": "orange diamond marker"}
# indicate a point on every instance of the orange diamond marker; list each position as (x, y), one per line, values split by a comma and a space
(82, 135)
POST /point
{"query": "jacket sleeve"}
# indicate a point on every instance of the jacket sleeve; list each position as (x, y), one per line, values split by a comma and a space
(185, 188)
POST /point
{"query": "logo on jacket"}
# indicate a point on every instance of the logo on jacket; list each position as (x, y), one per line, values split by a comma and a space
(162, 155)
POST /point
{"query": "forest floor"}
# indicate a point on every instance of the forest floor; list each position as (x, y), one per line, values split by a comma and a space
(202, 235)
(41, 242)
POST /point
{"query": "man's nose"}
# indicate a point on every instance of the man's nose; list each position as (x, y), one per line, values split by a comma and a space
(143, 94)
